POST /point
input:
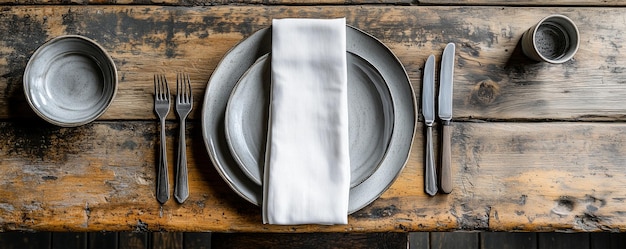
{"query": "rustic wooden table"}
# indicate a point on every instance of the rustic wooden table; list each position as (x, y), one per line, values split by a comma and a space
(536, 147)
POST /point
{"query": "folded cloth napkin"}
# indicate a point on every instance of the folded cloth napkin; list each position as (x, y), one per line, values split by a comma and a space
(307, 164)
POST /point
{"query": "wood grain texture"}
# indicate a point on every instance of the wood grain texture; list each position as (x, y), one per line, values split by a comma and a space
(322, 2)
(203, 2)
(525, 2)
(493, 79)
(522, 176)
(513, 167)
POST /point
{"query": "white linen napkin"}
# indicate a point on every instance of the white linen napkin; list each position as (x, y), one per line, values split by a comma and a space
(307, 166)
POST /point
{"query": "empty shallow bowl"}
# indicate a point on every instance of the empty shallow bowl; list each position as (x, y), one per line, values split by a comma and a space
(70, 81)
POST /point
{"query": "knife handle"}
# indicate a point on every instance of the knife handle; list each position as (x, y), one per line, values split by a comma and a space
(446, 154)
(430, 181)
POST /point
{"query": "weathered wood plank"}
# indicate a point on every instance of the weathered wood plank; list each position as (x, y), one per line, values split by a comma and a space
(202, 2)
(525, 2)
(309, 240)
(528, 176)
(493, 80)
(322, 2)
(523, 176)
(551, 178)
(563, 240)
(497, 240)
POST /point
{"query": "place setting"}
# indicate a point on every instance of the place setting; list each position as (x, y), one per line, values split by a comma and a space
(334, 128)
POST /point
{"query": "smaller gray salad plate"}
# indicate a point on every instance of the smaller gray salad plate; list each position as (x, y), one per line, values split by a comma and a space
(70, 81)
(370, 109)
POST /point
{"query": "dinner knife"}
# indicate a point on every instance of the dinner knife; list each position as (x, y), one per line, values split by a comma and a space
(428, 111)
(445, 114)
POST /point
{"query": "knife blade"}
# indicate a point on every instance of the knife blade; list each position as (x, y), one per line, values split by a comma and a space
(428, 111)
(445, 114)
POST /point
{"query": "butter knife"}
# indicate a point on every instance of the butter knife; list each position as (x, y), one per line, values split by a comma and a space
(428, 111)
(445, 114)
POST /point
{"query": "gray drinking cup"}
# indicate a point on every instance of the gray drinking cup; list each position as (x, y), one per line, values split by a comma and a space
(554, 39)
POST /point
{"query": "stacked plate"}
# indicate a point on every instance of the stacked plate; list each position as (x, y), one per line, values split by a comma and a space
(381, 115)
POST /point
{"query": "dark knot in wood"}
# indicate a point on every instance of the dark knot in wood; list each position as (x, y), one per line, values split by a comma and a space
(485, 92)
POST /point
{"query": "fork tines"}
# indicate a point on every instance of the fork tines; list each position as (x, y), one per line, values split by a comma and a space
(161, 90)
(183, 88)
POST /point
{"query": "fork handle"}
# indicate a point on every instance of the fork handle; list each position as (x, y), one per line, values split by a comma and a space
(163, 188)
(181, 191)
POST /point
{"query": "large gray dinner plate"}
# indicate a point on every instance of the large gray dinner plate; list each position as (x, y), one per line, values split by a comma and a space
(370, 109)
(241, 57)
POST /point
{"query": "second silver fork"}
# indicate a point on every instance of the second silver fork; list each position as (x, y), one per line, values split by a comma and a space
(184, 102)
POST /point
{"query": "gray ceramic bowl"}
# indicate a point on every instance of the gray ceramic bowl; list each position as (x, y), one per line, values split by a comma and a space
(70, 81)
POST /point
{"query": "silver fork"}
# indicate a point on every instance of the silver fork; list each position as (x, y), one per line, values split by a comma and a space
(162, 108)
(184, 101)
